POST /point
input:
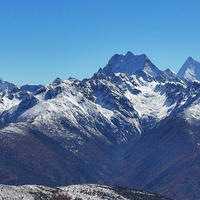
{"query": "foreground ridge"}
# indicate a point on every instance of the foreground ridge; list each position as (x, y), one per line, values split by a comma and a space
(74, 192)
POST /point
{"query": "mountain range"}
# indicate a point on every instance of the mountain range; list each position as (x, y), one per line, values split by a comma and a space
(130, 124)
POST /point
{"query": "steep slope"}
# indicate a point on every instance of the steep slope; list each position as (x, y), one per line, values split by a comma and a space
(74, 192)
(190, 70)
(166, 159)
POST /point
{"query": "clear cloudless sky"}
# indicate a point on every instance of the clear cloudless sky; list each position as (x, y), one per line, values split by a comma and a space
(44, 39)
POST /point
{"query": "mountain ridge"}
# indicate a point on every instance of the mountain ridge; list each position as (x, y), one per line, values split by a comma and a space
(75, 192)
(86, 131)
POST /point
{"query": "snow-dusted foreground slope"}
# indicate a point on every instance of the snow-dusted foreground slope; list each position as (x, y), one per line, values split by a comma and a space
(74, 192)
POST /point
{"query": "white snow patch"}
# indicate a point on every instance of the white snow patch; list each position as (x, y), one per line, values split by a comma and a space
(193, 111)
(148, 102)
(83, 192)
(105, 112)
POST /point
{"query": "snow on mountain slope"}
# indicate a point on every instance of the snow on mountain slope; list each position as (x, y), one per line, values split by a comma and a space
(126, 104)
(70, 104)
(11, 94)
(119, 98)
(4, 85)
(193, 112)
(74, 192)
(149, 102)
(66, 104)
(74, 131)
(7, 103)
(28, 192)
(190, 70)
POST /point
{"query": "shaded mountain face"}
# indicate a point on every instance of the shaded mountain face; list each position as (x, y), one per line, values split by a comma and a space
(190, 70)
(123, 126)
(165, 160)
(130, 64)
(75, 192)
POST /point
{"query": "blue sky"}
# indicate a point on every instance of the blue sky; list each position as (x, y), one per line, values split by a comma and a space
(44, 39)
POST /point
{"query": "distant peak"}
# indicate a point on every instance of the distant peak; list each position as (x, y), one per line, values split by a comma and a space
(168, 70)
(129, 64)
(170, 75)
(129, 53)
(190, 70)
(57, 80)
(190, 58)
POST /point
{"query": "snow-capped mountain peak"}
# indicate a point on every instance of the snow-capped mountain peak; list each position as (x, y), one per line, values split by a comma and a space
(130, 64)
(170, 72)
(4, 85)
(190, 70)
(171, 75)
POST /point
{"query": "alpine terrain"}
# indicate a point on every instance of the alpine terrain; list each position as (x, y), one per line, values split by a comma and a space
(74, 192)
(130, 124)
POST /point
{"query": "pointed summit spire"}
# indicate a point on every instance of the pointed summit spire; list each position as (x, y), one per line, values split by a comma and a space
(190, 70)
(190, 58)
(129, 53)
